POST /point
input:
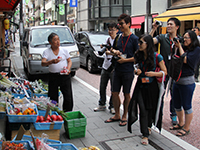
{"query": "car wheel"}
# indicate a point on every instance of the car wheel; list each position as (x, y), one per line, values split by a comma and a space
(73, 73)
(89, 65)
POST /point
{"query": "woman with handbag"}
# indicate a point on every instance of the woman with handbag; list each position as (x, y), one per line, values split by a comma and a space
(146, 91)
(183, 89)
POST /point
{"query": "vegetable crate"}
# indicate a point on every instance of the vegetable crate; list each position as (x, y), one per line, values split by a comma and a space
(64, 146)
(2, 114)
(56, 125)
(29, 138)
(16, 126)
(75, 124)
(22, 118)
(27, 145)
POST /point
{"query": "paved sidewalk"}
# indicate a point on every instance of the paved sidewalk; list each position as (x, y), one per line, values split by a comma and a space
(110, 136)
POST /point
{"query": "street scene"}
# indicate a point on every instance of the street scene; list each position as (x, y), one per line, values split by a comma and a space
(99, 75)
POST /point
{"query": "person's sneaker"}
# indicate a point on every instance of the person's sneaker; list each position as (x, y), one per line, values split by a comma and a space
(174, 120)
(112, 110)
(100, 108)
(196, 80)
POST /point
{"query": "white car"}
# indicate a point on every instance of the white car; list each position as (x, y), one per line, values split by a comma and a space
(35, 41)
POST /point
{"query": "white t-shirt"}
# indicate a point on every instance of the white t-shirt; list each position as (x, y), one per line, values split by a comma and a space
(107, 60)
(49, 55)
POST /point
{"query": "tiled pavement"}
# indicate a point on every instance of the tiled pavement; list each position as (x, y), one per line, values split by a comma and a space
(110, 136)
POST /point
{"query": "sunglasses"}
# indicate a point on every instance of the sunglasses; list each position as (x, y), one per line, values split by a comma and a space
(121, 23)
(141, 42)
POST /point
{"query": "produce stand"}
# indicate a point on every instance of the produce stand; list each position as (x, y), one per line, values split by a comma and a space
(26, 103)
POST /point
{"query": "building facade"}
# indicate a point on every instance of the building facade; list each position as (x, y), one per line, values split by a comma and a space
(95, 15)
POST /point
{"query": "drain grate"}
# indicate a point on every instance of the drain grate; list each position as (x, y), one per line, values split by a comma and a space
(128, 143)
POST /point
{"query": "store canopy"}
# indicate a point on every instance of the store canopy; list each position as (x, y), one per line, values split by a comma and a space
(8, 5)
(184, 14)
(137, 21)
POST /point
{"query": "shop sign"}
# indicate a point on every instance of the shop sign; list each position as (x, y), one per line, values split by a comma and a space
(61, 9)
(73, 3)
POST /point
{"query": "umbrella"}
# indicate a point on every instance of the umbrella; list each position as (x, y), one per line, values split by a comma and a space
(162, 90)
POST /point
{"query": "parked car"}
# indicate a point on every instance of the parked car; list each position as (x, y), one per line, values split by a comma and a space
(35, 41)
(89, 45)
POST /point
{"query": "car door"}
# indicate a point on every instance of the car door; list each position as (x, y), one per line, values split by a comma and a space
(85, 52)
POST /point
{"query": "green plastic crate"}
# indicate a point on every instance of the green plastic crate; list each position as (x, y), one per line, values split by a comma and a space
(75, 124)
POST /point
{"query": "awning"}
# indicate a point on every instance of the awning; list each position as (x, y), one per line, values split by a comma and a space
(184, 14)
(8, 5)
(137, 21)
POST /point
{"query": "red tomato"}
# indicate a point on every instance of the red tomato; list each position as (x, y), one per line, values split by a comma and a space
(54, 117)
(38, 119)
(59, 118)
(41, 118)
(48, 118)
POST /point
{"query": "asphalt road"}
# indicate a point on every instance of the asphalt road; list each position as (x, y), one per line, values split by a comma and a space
(94, 79)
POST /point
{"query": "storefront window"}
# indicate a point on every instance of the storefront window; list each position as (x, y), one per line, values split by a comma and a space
(116, 2)
(105, 12)
(116, 11)
(104, 3)
(127, 10)
(127, 2)
(96, 12)
(96, 3)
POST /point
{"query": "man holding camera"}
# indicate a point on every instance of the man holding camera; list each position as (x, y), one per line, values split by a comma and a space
(107, 68)
(124, 71)
(167, 48)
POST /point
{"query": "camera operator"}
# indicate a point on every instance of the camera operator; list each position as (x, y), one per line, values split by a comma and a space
(167, 48)
(107, 68)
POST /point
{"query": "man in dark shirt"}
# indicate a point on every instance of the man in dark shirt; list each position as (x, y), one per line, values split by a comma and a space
(124, 71)
(166, 49)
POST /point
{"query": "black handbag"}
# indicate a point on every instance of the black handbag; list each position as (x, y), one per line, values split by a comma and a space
(175, 66)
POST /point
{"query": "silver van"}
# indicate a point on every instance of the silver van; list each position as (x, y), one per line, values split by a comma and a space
(35, 41)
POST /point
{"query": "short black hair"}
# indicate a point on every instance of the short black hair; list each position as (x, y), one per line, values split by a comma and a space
(112, 25)
(196, 28)
(124, 17)
(176, 21)
(50, 37)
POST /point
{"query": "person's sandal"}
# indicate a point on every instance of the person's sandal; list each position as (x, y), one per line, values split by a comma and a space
(181, 133)
(176, 127)
(144, 141)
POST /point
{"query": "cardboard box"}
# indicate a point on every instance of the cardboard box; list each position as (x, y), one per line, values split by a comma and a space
(53, 134)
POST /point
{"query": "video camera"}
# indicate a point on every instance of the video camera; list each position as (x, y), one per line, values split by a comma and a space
(181, 39)
(105, 46)
(159, 23)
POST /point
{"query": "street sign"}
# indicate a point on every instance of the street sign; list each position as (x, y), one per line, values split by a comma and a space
(73, 3)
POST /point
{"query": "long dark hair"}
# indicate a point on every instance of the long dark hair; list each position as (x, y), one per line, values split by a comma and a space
(139, 55)
(194, 41)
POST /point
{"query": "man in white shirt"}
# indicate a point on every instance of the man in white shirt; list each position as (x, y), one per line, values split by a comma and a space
(107, 70)
(58, 58)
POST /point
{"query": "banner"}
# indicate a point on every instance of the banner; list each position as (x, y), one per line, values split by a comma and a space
(26, 1)
(61, 9)
(73, 3)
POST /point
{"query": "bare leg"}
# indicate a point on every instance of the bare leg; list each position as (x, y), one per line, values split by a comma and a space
(116, 104)
(180, 115)
(126, 103)
(188, 119)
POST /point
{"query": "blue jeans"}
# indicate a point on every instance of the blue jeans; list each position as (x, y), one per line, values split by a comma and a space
(182, 95)
(105, 77)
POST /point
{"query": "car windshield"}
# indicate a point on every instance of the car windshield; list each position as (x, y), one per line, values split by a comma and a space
(40, 36)
(97, 39)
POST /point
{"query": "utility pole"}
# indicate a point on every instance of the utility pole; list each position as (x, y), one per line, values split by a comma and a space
(44, 11)
(65, 3)
(148, 20)
(21, 28)
(34, 13)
